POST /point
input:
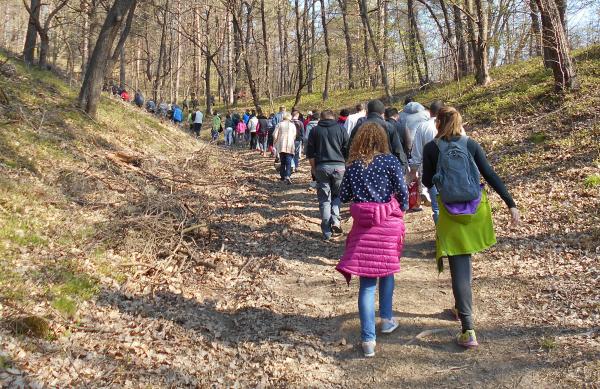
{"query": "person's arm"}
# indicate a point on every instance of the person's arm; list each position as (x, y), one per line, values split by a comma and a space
(346, 194)
(430, 158)
(490, 175)
(310, 147)
(345, 144)
(396, 146)
(399, 187)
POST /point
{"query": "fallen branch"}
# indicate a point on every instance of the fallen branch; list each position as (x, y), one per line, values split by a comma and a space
(425, 333)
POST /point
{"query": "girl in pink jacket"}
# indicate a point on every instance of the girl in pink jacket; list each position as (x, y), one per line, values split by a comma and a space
(374, 182)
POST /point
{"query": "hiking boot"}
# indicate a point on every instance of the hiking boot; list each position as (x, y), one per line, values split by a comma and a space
(337, 229)
(467, 339)
(369, 348)
(388, 325)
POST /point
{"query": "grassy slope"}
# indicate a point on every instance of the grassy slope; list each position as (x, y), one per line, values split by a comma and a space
(53, 179)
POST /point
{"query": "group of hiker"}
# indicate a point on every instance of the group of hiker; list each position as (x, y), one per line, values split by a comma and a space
(385, 162)
(382, 161)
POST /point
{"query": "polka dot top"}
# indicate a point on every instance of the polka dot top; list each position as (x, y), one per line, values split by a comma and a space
(376, 183)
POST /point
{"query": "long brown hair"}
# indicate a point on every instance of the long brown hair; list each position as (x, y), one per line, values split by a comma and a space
(448, 123)
(370, 141)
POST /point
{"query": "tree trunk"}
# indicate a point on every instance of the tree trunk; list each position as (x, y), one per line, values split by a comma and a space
(461, 43)
(178, 68)
(207, 85)
(32, 33)
(346, 28)
(556, 49)
(122, 68)
(311, 56)
(327, 51)
(156, 87)
(44, 48)
(89, 95)
(300, 55)
(267, 54)
(536, 31)
(379, 59)
(482, 74)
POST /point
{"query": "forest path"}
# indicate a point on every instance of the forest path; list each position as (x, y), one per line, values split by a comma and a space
(320, 306)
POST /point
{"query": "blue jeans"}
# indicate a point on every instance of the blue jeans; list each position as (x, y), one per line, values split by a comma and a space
(366, 303)
(329, 181)
(286, 165)
(229, 136)
(433, 192)
(297, 151)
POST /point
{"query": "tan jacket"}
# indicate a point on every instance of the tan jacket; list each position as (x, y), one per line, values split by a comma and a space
(284, 136)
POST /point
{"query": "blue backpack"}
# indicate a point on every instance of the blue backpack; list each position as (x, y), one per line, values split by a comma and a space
(457, 176)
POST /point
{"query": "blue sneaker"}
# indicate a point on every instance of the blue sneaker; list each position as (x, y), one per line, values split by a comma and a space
(388, 325)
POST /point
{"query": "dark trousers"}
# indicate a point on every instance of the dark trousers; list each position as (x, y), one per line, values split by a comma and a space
(286, 165)
(461, 273)
(253, 140)
(197, 127)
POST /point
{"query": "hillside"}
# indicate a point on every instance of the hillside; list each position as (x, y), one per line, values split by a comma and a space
(133, 255)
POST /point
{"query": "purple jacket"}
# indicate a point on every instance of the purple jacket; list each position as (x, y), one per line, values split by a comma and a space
(375, 242)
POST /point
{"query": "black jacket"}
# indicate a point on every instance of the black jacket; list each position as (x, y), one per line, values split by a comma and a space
(328, 143)
(393, 137)
(403, 139)
(263, 123)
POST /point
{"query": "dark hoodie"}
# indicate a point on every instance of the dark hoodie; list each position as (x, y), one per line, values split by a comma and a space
(328, 143)
(393, 136)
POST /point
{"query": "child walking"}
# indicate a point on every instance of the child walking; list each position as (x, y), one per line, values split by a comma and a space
(240, 131)
(453, 162)
(374, 183)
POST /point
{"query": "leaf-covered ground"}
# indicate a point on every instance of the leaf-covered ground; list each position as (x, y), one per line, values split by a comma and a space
(134, 256)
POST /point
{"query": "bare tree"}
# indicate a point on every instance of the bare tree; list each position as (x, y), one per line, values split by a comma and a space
(348, 40)
(556, 48)
(378, 57)
(43, 29)
(89, 95)
(327, 51)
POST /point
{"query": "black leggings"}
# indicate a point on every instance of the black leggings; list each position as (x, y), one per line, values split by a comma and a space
(461, 273)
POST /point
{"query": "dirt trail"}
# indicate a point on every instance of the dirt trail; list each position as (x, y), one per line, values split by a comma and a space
(317, 304)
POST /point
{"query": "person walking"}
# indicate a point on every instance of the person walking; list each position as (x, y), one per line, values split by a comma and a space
(216, 127)
(414, 113)
(425, 132)
(228, 130)
(376, 109)
(177, 115)
(326, 150)
(283, 138)
(361, 112)
(299, 138)
(344, 113)
(374, 183)
(262, 132)
(253, 128)
(278, 118)
(240, 131)
(453, 163)
(198, 118)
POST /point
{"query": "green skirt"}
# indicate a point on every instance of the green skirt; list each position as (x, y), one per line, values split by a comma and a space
(464, 234)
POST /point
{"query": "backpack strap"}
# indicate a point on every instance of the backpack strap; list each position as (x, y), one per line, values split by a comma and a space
(442, 145)
(463, 140)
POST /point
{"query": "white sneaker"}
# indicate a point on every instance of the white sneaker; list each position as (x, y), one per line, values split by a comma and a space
(388, 325)
(369, 348)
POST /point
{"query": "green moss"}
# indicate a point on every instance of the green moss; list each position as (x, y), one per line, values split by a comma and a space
(538, 137)
(65, 305)
(34, 326)
(592, 181)
(16, 230)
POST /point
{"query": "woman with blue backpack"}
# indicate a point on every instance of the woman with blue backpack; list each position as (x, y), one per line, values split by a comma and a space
(453, 163)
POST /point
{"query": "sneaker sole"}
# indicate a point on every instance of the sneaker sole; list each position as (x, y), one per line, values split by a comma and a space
(369, 355)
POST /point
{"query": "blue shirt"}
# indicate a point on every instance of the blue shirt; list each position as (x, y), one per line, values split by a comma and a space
(376, 183)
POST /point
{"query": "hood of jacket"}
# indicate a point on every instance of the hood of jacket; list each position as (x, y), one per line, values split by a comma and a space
(327, 123)
(413, 107)
(370, 214)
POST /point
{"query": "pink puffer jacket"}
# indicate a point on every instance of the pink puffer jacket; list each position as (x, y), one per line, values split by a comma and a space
(375, 242)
